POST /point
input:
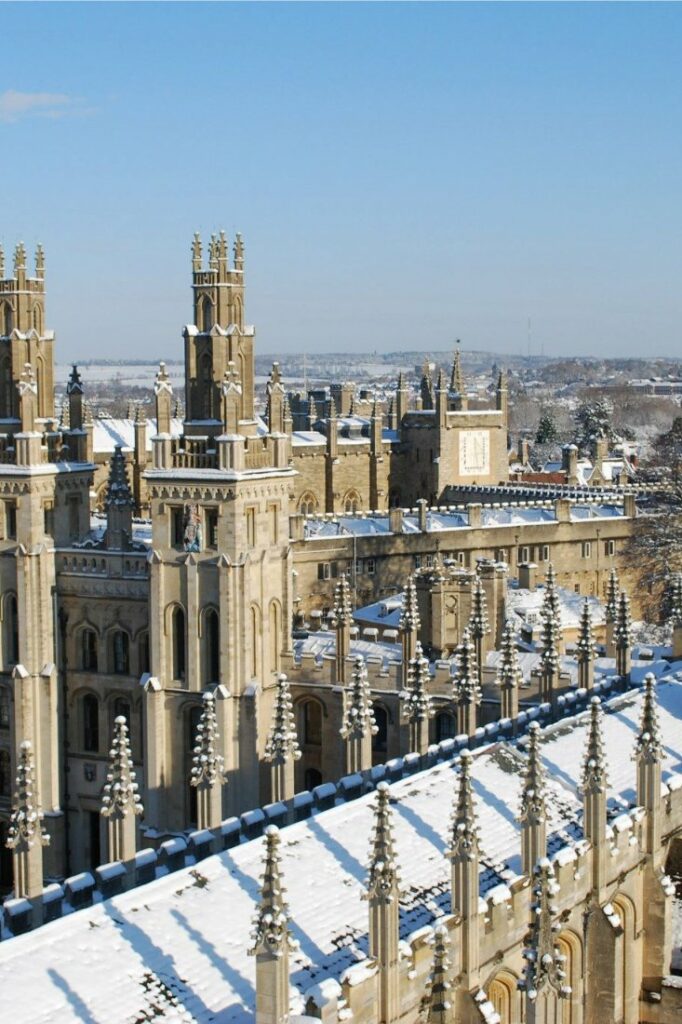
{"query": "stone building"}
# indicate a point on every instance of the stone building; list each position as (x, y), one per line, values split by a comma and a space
(116, 617)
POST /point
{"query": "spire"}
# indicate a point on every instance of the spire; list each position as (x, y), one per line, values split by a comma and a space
(675, 600)
(463, 854)
(281, 748)
(417, 701)
(358, 718)
(120, 800)
(427, 394)
(464, 835)
(550, 598)
(594, 779)
(409, 624)
(19, 258)
(238, 252)
(585, 648)
(207, 773)
(457, 376)
(343, 617)
(467, 692)
(509, 673)
(439, 1004)
(550, 637)
(358, 721)
(271, 939)
(213, 253)
(196, 253)
(383, 879)
(622, 633)
(479, 627)
(533, 811)
(383, 894)
(118, 489)
(26, 835)
(74, 384)
(612, 592)
(648, 747)
(2, 263)
(544, 970)
(40, 261)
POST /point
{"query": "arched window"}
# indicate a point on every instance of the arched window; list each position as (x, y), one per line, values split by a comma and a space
(6, 320)
(503, 994)
(4, 708)
(193, 716)
(5, 386)
(275, 636)
(143, 652)
(211, 646)
(307, 504)
(90, 723)
(255, 638)
(11, 632)
(206, 384)
(5, 774)
(206, 314)
(178, 643)
(122, 708)
(89, 650)
(351, 502)
(120, 649)
(446, 726)
(311, 713)
(37, 318)
(312, 778)
(380, 738)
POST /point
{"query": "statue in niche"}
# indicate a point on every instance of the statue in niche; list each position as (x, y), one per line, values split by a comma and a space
(192, 531)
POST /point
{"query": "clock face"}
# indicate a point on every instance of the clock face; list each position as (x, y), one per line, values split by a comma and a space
(474, 452)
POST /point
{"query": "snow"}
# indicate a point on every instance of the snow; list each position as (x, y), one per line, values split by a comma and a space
(184, 937)
(107, 433)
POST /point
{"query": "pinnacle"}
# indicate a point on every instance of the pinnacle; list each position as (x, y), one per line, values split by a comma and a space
(121, 790)
(207, 764)
(282, 743)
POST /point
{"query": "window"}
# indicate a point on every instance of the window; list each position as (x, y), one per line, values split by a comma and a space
(358, 567)
(122, 710)
(545, 552)
(380, 738)
(273, 518)
(307, 506)
(371, 566)
(251, 527)
(351, 503)
(610, 547)
(417, 561)
(177, 527)
(89, 650)
(212, 527)
(178, 643)
(74, 514)
(93, 824)
(10, 520)
(48, 519)
(5, 775)
(312, 778)
(11, 632)
(4, 709)
(586, 549)
(121, 651)
(90, 723)
(445, 726)
(501, 555)
(312, 723)
(143, 652)
(576, 588)
(327, 570)
(212, 646)
(524, 554)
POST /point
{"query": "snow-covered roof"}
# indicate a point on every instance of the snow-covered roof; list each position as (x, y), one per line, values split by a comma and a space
(188, 933)
(107, 433)
(525, 605)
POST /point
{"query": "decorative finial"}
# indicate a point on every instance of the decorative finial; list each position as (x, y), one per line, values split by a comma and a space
(271, 925)
(418, 703)
(282, 743)
(467, 690)
(533, 792)
(343, 612)
(509, 673)
(464, 832)
(612, 592)
(409, 615)
(543, 958)
(585, 645)
(121, 790)
(383, 882)
(594, 778)
(118, 489)
(439, 1003)
(207, 764)
(26, 820)
(648, 746)
(358, 716)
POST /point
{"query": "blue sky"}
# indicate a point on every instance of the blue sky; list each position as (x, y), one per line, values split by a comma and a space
(402, 174)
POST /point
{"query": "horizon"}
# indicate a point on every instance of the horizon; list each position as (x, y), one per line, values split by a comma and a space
(403, 174)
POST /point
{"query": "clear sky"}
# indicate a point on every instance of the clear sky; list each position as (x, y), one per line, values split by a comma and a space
(402, 174)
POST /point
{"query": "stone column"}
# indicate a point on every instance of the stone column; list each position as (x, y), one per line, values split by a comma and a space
(271, 940)
(358, 721)
(281, 748)
(207, 773)
(120, 801)
(383, 894)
